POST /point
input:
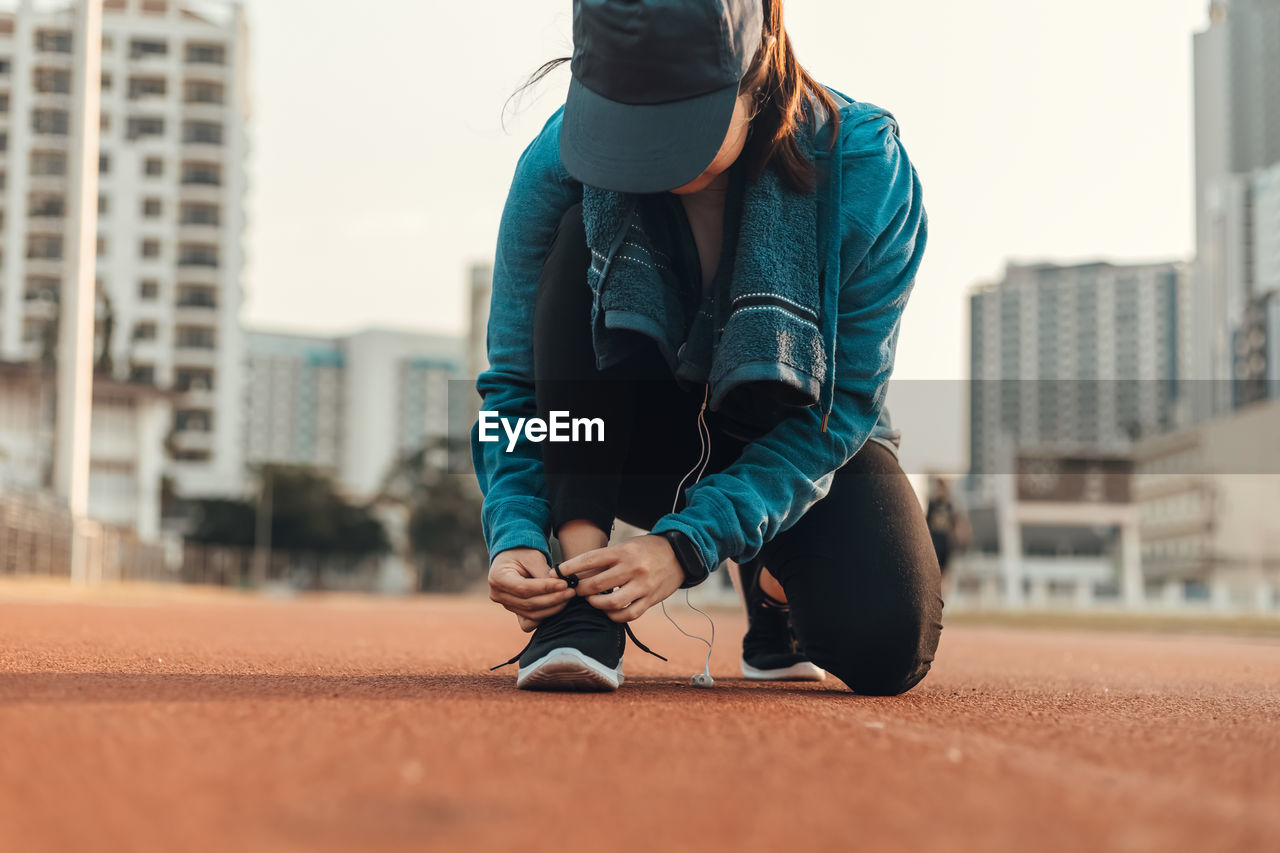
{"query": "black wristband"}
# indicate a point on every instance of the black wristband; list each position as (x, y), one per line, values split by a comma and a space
(689, 557)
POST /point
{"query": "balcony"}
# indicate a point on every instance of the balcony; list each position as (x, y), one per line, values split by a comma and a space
(199, 232)
(191, 440)
(195, 313)
(191, 356)
(45, 266)
(207, 276)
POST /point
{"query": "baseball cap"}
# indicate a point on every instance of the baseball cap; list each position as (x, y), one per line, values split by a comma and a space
(653, 88)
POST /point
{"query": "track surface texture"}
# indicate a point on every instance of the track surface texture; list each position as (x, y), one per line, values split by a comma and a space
(175, 721)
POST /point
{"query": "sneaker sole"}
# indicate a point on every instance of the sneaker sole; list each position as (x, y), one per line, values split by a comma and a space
(803, 671)
(569, 670)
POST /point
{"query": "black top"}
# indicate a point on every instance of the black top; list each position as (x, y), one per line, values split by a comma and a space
(672, 234)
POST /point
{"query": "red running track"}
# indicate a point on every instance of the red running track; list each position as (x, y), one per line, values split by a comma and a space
(165, 721)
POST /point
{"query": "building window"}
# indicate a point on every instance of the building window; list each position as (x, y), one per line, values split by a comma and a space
(197, 255)
(154, 167)
(147, 87)
(4, 66)
(141, 48)
(149, 126)
(154, 7)
(4, 102)
(104, 122)
(149, 290)
(195, 337)
(150, 248)
(151, 207)
(200, 214)
(52, 122)
(48, 206)
(206, 54)
(102, 245)
(202, 92)
(106, 81)
(193, 379)
(53, 81)
(144, 374)
(103, 205)
(108, 44)
(202, 132)
(144, 332)
(193, 420)
(44, 247)
(53, 41)
(48, 163)
(209, 174)
(104, 164)
(196, 296)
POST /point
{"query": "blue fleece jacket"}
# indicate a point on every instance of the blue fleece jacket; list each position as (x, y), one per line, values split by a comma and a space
(871, 235)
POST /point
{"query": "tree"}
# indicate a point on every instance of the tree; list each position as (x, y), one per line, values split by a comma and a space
(446, 540)
(308, 513)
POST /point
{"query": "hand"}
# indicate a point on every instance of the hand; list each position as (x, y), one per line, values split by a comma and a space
(520, 580)
(644, 569)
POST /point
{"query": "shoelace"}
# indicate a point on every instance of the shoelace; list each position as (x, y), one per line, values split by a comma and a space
(573, 582)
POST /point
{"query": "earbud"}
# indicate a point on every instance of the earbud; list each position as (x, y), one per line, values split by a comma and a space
(702, 679)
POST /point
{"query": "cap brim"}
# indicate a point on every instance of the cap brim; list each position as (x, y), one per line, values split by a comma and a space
(642, 148)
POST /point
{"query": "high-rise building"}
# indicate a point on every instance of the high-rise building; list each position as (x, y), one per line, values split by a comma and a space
(1086, 356)
(1237, 140)
(350, 404)
(173, 144)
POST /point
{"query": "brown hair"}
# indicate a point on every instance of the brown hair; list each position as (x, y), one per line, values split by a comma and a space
(780, 86)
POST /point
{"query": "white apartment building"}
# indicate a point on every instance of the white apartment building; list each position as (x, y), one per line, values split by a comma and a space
(1075, 357)
(1207, 499)
(173, 145)
(349, 404)
(126, 445)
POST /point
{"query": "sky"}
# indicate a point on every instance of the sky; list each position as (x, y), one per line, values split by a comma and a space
(380, 161)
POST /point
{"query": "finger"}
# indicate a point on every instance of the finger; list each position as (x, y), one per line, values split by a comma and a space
(536, 602)
(535, 615)
(526, 624)
(522, 587)
(631, 612)
(605, 581)
(616, 599)
(597, 558)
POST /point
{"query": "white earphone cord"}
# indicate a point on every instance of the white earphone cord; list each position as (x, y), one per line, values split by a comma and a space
(704, 459)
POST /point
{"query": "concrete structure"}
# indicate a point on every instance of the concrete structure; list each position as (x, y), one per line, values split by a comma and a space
(1237, 141)
(350, 404)
(1074, 357)
(1061, 530)
(1207, 498)
(130, 422)
(173, 117)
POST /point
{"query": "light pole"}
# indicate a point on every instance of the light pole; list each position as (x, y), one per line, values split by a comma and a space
(75, 333)
(262, 530)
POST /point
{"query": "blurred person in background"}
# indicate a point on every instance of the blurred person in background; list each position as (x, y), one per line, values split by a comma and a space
(710, 252)
(947, 524)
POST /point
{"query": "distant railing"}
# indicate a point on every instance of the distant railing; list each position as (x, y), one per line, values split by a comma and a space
(36, 536)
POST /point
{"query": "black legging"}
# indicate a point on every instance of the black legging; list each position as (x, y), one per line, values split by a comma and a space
(858, 568)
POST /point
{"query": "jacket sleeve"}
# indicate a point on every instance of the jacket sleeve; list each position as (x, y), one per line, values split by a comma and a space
(515, 512)
(781, 474)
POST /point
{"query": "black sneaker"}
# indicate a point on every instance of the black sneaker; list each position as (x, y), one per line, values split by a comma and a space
(770, 651)
(578, 649)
